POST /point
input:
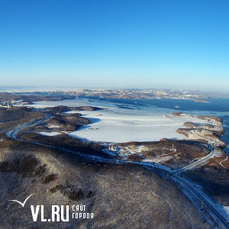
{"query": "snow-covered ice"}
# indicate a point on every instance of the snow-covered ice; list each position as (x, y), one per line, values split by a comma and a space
(120, 125)
(116, 124)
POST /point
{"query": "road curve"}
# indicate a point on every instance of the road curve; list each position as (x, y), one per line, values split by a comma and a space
(195, 164)
(12, 133)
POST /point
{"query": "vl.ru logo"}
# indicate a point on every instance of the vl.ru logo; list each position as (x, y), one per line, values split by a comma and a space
(59, 213)
(22, 204)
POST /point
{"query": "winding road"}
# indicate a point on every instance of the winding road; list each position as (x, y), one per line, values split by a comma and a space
(200, 162)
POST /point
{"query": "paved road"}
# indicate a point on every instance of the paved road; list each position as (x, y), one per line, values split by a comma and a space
(197, 163)
(199, 195)
(12, 133)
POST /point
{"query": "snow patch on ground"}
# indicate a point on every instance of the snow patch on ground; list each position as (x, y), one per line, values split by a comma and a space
(49, 133)
(71, 112)
(226, 208)
(53, 126)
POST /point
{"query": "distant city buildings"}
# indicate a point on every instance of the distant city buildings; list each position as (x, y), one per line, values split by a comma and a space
(198, 96)
(25, 98)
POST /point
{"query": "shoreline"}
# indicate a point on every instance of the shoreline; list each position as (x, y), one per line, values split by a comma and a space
(210, 132)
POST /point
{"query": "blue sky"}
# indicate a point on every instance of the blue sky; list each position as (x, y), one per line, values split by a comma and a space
(115, 43)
